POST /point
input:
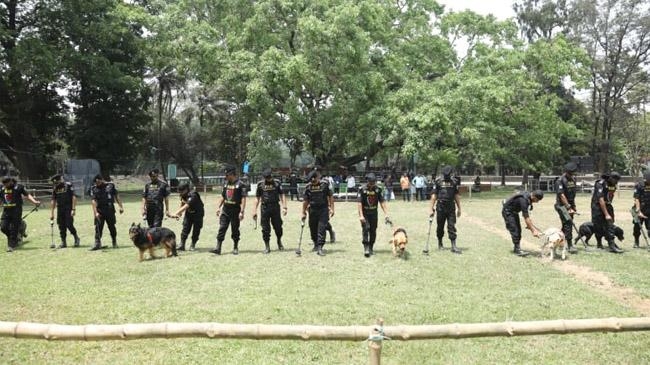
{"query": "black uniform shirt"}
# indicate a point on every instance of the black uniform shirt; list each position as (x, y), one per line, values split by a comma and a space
(63, 194)
(317, 194)
(602, 190)
(155, 192)
(642, 192)
(445, 190)
(11, 197)
(370, 198)
(233, 192)
(193, 199)
(104, 195)
(269, 192)
(519, 203)
(567, 186)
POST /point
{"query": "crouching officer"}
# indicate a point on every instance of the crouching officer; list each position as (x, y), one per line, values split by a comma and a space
(192, 206)
(269, 193)
(65, 202)
(11, 197)
(641, 207)
(445, 198)
(319, 199)
(103, 196)
(370, 195)
(520, 202)
(602, 210)
(565, 204)
(155, 192)
(230, 210)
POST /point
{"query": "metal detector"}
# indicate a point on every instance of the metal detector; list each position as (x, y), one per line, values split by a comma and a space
(52, 245)
(426, 248)
(302, 228)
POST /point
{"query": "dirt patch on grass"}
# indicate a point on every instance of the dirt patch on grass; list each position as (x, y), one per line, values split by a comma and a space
(597, 280)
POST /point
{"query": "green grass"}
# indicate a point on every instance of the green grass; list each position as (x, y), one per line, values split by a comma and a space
(484, 284)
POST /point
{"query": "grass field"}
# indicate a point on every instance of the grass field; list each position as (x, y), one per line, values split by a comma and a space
(484, 284)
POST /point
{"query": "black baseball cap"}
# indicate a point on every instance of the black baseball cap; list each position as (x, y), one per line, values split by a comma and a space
(267, 173)
(229, 170)
(371, 177)
(571, 167)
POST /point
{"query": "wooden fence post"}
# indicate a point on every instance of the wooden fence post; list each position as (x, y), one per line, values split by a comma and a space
(375, 341)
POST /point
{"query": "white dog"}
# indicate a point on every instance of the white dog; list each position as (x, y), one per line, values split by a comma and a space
(554, 239)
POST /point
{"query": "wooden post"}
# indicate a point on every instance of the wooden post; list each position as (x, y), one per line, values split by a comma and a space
(374, 342)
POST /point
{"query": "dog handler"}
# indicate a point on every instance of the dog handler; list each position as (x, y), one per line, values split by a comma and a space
(445, 195)
(565, 204)
(370, 195)
(233, 203)
(642, 207)
(521, 202)
(104, 195)
(153, 195)
(65, 202)
(602, 211)
(318, 197)
(12, 212)
(192, 206)
(269, 193)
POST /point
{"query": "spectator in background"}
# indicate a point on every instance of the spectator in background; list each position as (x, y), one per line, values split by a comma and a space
(352, 185)
(388, 183)
(420, 183)
(405, 184)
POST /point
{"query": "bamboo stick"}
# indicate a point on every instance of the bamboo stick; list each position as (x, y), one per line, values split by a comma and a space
(97, 332)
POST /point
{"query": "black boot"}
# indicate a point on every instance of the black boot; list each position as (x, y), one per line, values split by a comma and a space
(315, 248)
(332, 236)
(366, 250)
(181, 247)
(599, 244)
(267, 247)
(319, 251)
(517, 251)
(440, 244)
(613, 248)
(235, 248)
(280, 247)
(572, 248)
(97, 246)
(217, 250)
(455, 249)
(63, 244)
(114, 242)
(193, 246)
(372, 251)
(636, 242)
(77, 241)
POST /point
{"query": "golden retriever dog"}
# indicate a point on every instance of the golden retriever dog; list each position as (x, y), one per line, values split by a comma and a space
(399, 241)
(552, 241)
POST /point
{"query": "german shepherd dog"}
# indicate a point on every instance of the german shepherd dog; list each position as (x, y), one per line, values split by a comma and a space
(148, 238)
(586, 230)
(399, 241)
(554, 240)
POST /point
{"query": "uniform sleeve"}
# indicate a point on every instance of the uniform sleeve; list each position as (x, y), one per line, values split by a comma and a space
(523, 204)
(279, 188)
(380, 192)
(22, 191)
(638, 191)
(328, 190)
(166, 190)
(258, 190)
(600, 191)
(115, 192)
(145, 191)
(362, 192)
(54, 193)
(71, 188)
(307, 194)
(561, 186)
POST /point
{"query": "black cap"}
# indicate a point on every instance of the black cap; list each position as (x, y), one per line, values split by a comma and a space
(571, 167)
(371, 177)
(229, 170)
(267, 173)
(615, 175)
(98, 177)
(538, 194)
(7, 179)
(154, 172)
(446, 171)
(312, 174)
(55, 178)
(184, 187)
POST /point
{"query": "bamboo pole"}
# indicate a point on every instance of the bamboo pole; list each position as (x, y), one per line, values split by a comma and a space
(95, 332)
(375, 340)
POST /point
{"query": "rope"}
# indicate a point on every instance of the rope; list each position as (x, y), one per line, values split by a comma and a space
(378, 334)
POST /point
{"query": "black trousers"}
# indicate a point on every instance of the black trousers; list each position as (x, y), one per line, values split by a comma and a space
(155, 215)
(270, 216)
(513, 225)
(106, 216)
(65, 221)
(636, 231)
(192, 222)
(567, 225)
(10, 224)
(446, 213)
(318, 220)
(229, 217)
(369, 229)
(602, 226)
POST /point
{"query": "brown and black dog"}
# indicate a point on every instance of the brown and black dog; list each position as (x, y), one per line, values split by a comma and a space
(148, 238)
(399, 241)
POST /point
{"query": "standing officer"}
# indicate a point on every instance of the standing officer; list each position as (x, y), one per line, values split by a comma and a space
(269, 192)
(565, 204)
(104, 195)
(293, 186)
(192, 206)
(520, 202)
(642, 207)
(319, 198)
(602, 211)
(65, 202)
(233, 203)
(152, 199)
(369, 196)
(12, 213)
(445, 195)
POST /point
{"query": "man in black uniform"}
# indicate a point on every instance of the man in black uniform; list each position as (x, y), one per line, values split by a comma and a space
(602, 211)
(11, 197)
(319, 198)
(565, 204)
(520, 202)
(65, 202)
(446, 198)
(104, 195)
(269, 192)
(641, 207)
(370, 195)
(192, 206)
(155, 192)
(293, 186)
(230, 210)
